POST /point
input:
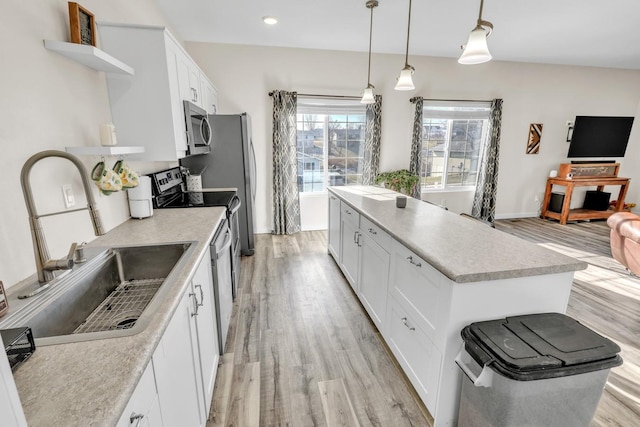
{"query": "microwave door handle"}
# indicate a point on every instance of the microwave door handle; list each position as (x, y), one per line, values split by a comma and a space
(205, 122)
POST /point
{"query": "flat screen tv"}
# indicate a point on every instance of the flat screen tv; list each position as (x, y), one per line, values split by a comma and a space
(600, 136)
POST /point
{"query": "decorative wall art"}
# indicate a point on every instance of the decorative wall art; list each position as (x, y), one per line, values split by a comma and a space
(82, 25)
(535, 133)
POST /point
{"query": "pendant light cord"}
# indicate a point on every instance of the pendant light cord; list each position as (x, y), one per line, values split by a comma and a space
(406, 56)
(370, 5)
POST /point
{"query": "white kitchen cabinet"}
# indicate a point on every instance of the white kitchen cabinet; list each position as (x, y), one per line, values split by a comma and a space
(209, 95)
(416, 353)
(373, 278)
(147, 109)
(350, 244)
(143, 408)
(333, 233)
(178, 376)
(206, 329)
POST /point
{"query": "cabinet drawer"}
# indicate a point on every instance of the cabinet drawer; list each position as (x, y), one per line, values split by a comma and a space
(376, 233)
(420, 289)
(347, 213)
(419, 358)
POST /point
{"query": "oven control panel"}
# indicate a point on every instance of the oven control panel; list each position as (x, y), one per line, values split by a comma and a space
(167, 179)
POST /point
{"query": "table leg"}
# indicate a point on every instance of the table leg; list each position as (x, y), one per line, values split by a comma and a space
(545, 202)
(623, 193)
(566, 205)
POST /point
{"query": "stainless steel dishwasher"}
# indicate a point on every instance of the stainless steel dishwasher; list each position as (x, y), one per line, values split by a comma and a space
(222, 280)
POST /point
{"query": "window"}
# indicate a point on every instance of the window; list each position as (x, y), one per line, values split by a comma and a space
(453, 137)
(330, 143)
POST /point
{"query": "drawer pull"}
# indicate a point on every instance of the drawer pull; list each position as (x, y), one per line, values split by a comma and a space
(347, 211)
(406, 323)
(334, 198)
(137, 418)
(417, 264)
(372, 231)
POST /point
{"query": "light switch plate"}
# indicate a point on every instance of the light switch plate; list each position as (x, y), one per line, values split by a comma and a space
(68, 197)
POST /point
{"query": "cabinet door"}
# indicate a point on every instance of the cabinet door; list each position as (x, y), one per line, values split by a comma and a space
(349, 251)
(176, 363)
(209, 95)
(333, 236)
(418, 356)
(177, 87)
(143, 408)
(206, 328)
(373, 278)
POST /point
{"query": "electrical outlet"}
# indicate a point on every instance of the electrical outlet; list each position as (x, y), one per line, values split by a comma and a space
(67, 196)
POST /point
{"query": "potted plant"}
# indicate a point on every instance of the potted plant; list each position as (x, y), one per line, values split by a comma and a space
(400, 180)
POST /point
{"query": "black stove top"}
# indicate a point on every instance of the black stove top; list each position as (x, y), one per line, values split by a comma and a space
(194, 199)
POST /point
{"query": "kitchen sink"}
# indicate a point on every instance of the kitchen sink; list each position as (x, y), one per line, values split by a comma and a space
(113, 294)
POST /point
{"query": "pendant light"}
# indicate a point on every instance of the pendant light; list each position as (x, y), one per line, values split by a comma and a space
(367, 96)
(476, 50)
(405, 81)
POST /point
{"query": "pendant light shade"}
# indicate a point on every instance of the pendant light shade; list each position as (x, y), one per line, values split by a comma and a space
(476, 50)
(367, 96)
(405, 81)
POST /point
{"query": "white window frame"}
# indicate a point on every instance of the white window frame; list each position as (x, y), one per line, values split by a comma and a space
(450, 111)
(326, 107)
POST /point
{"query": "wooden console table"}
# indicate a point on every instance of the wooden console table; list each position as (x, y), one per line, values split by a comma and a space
(568, 214)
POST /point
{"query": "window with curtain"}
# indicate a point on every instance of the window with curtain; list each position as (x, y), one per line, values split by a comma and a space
(330, 144)
(453, 136)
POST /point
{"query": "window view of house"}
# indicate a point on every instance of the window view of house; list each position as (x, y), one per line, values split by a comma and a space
(330, 146)
(452, 141)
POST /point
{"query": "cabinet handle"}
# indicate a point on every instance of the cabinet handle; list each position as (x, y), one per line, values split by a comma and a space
(372, 231)
(358, 240)
(355, 237)
(201, 296)
(334, 198)
(135, 417)
(347, 211)
(406, 323)
(191, 294)
(417, 264)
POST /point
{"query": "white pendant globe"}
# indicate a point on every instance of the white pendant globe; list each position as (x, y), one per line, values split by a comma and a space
(367, 96)
(476, 50)
(405, 81)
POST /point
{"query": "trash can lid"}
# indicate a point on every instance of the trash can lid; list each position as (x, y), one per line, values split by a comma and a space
(539, 346)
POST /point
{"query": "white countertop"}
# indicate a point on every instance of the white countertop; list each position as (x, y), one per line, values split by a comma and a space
(90, 383)
(463, 249)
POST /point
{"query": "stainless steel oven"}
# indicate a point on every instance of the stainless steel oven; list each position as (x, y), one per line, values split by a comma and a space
(222, 278)
(198, 129)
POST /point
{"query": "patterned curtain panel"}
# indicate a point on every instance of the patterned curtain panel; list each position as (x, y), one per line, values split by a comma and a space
(416, 143)
(286, 200)
(372, 133)
(484, 200)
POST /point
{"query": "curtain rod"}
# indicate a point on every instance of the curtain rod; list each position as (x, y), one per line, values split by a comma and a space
(323, 96)
(414, 99)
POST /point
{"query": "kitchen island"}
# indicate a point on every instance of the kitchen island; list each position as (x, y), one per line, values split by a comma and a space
(424, 273)
(91, 382)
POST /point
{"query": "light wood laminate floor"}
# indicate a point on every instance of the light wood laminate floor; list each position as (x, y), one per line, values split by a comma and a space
(301, 351)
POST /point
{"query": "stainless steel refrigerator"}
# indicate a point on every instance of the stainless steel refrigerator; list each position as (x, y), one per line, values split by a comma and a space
(231, 163)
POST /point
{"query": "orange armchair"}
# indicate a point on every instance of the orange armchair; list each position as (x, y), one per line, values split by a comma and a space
(625, 240)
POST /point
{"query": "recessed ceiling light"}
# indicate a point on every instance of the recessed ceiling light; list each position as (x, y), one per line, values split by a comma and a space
(270, 20)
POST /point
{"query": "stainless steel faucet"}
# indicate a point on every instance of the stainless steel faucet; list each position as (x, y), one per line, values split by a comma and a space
(44, 264)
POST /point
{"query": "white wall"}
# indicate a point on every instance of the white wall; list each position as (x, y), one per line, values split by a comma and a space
(532, 93)
(49, 102)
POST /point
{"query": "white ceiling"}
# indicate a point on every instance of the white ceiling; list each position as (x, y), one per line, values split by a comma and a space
(576, 32)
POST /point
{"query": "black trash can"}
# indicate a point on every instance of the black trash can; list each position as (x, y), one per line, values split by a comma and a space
(533, 370)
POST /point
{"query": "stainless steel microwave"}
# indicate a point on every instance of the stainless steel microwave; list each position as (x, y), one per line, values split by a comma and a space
(198, 129)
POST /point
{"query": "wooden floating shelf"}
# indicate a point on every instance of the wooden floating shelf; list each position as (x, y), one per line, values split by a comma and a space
(90, 56)
(114, 150)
